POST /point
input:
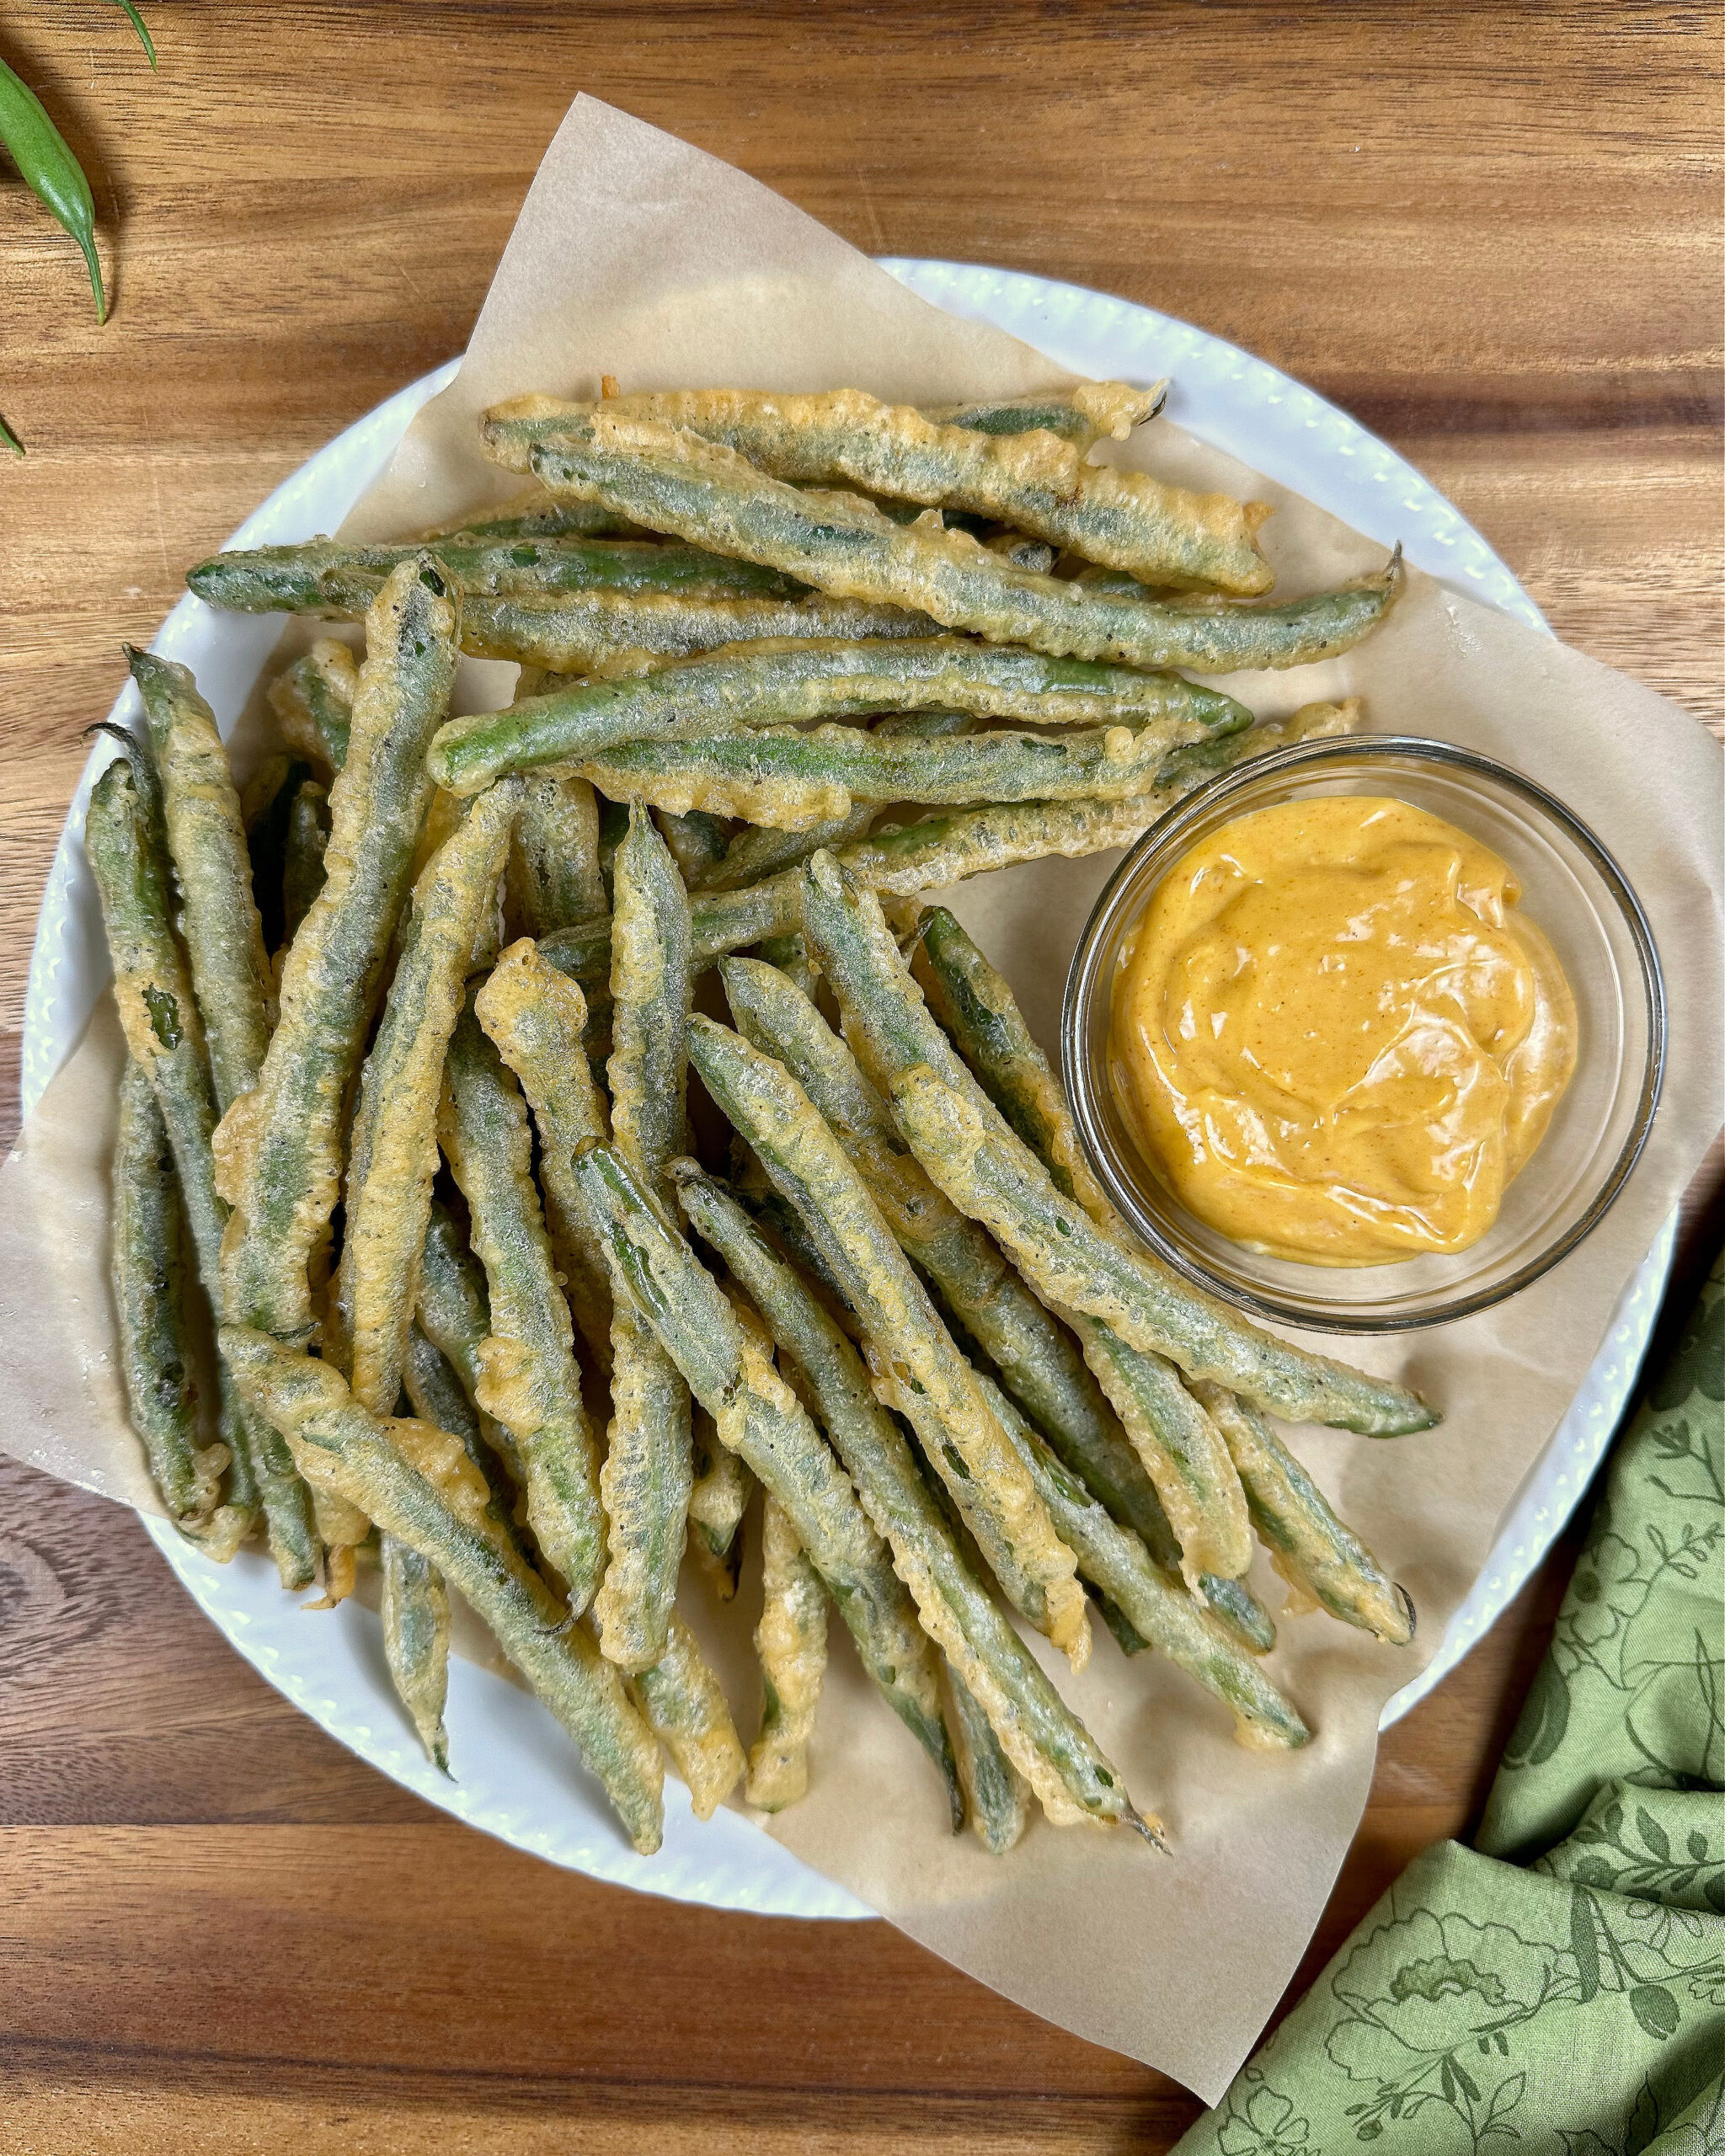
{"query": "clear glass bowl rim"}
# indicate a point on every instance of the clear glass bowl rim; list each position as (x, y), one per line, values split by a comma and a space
(1083, 984)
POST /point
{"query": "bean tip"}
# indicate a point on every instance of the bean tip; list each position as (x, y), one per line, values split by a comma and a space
(1150, 1827)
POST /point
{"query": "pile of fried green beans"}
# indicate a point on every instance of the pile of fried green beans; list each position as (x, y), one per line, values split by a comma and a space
(418, 1022)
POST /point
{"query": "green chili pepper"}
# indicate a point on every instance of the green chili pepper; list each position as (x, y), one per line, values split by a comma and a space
(39, 150)
(10, 439)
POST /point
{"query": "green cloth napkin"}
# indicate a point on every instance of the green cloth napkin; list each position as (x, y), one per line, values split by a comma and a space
(1559, 1987)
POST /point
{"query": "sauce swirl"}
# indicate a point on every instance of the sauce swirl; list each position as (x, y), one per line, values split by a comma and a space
(1335, 1037)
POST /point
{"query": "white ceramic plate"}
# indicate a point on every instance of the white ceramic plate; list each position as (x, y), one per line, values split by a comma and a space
(518, 1778)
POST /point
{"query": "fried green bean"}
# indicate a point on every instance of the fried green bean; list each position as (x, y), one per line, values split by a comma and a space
(206, 842)
(686, 1711)
(159, 1015)
(528, 1377)
(536, 1018)
(150, 1287)
(912, 1354)
(1041, 1736)
(281, 1145)
(781, 683)
(1039, 1362)
(980, 1014)
(303, 849)
(991, 1174)
(791, 1642)
(454, 1311)
(698, 843)
(1316, 1553)
(614, 634)
(1089, 413)
(553, 866)
(1030, 478)
(903, 861)
(719, 1497)
(392, 1146)
(996, 1795)
(758, 1416)
(437, 1396)
(415, 1613)
(781, 776)
(339, 581)
(1156, 1607)
(755, 852)
(648, 1464)
(535, 515)
(419, 1485)
(313, 703)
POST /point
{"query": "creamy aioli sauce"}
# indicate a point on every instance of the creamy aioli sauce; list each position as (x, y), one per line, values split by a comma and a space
(1335, 1038)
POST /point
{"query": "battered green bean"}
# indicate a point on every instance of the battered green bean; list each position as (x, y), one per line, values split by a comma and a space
(698, 843)
(903, 861)
(536, 1018)
(1030, 478)
(783, 683)
(281, 1145)
(718, 1497)
(996, 1795)
(535, 515)
(1046, 1744)
(206, 842)
(686, 1711)
(303, 849)
(148, 1273)
(648, 1465)
(981, 1015)
(313, 703)
(757, 1416)
(330, 577)
(1156, 1606)
(528, 1379)
(1316, 1553)
(791, 1641)
(392, 1145)
(754, 853)
(616, 634)
(158, 1016)
(989, 1173)
(431, 1384)
(415, 1612)
(781, 776)
(845, 546)
(1089, 413)
(978, 1010)
(553, 866)
(454, 1309)
(912, 1354)
(419, 1485)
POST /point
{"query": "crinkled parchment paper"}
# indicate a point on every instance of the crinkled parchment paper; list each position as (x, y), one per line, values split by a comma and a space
(638, 256)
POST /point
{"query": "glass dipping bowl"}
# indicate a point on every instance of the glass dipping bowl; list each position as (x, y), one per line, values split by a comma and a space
(1571, 888)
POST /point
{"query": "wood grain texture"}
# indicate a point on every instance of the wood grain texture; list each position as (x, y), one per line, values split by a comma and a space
(1490, 232)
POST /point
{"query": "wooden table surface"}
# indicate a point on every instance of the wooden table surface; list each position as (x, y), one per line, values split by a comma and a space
(1490, 232)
